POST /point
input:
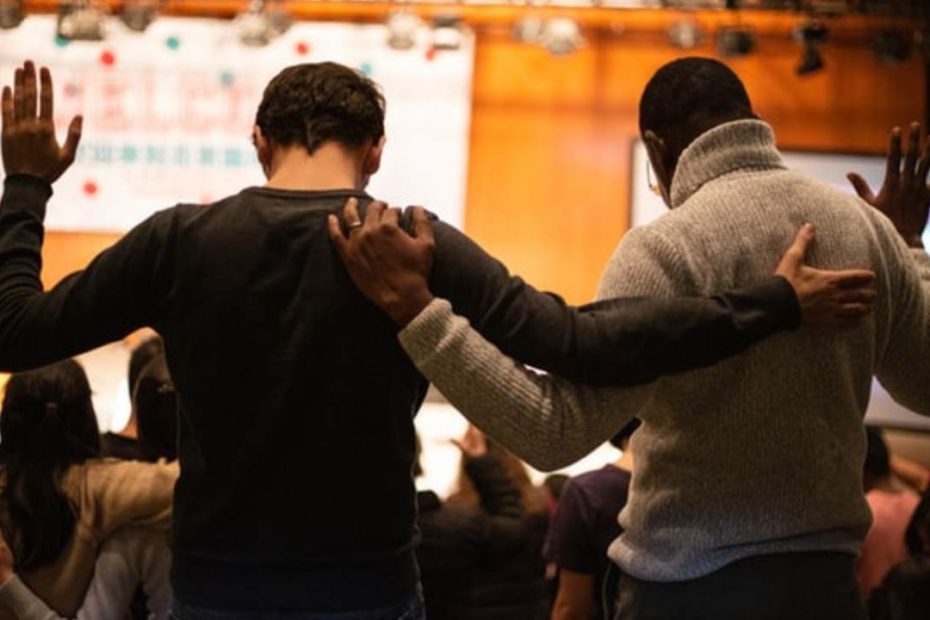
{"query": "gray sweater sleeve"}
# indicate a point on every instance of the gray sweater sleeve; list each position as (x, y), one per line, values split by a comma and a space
(547, 421)
(904, 368)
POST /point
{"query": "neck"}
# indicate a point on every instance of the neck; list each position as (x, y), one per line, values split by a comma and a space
(331, 166)
(625, 461)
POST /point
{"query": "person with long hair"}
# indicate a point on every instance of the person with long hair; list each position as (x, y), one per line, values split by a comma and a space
(58, 499)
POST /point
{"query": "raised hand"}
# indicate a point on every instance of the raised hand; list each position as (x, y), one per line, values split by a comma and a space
(28, 136)
(905, 195)
(473, 443)
(389, 266)
(827, 297)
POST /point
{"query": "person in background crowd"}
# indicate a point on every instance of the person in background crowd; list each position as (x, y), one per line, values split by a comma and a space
(913, 474)
(134, 563)
(747, 499)
(155, 402)
(508, 586)
(905, 593)
(582, 530)
(125, 444)
(58, 499)
(555, 485)
(457, 540)
(892, 507)
(315, 371)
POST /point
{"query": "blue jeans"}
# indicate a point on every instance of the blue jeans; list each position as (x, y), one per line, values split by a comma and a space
(412, 609)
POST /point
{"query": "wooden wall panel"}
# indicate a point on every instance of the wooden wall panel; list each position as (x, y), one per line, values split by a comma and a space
(549, 170)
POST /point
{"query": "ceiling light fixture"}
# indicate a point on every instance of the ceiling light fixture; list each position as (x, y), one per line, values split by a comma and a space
(81, 20)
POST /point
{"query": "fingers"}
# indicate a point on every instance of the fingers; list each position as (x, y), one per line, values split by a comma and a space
(335, 233)
(862, 187)
(29, 90)
(18, 94)
(46, 95)
(913, 148)
(801, 243)
(858, 296)
(422, 229)
(893, 171)
(853, 278)
(350, 213)
(923, 166)
(69, 150)
(373, 213)
(7, 108)
(391, 217)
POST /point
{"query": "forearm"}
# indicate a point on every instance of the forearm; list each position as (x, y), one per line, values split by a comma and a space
(614, 342)
(544, 420)
(113, 296)
(498, 494)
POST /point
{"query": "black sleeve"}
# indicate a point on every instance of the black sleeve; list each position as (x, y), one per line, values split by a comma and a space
(614, 342)
(116, 294)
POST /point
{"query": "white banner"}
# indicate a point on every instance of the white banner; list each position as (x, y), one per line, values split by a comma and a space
(168, 113)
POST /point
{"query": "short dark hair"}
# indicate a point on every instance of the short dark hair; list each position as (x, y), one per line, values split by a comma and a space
(689, 96)
(624, 434)
(877, 459)
(310, 104)
(156, 404)
(141, 356)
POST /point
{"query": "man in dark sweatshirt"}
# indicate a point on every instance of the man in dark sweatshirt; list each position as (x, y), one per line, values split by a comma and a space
(294, 393)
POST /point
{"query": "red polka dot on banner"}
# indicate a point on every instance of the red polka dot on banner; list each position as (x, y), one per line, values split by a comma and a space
(90, 188)
(431, 53)
(206, 200)
(107, 58)
(302, 48)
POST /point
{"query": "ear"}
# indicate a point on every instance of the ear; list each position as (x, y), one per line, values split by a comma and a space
(658, 156)
(372, 161)
(262, 149)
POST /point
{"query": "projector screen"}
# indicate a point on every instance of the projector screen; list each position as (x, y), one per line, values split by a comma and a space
(169, 112)
(830, 168)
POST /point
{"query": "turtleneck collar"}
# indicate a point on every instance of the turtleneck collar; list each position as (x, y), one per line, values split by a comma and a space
(739, 145)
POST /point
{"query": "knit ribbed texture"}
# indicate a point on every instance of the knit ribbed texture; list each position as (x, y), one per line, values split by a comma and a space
(759, 454)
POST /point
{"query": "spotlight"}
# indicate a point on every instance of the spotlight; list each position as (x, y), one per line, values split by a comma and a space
(561, 36)
(811, 35)
(811, 61)
(402, 29)
(447, 32)
(735, 42)
(11, 13)
(81, 20)
(891, 47)
(138, 14)
(528, 30)
(685, 34)
(263, 22)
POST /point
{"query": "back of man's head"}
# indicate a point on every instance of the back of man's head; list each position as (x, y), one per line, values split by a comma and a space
(688, 97)
(141, 356)
(310, 104)
(877, 465)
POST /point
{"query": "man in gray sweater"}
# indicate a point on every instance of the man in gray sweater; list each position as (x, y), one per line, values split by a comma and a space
(747, 501)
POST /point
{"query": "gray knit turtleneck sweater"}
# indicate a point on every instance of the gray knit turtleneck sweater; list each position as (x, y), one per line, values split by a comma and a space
(759, 454)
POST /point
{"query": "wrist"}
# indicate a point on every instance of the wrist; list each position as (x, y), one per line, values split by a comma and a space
(403, 308)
